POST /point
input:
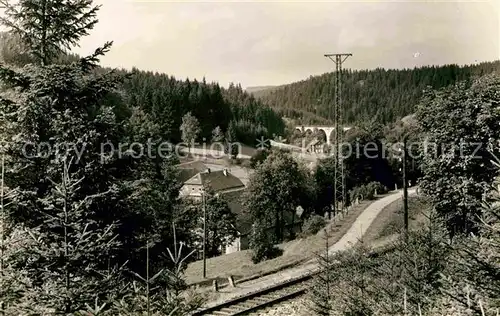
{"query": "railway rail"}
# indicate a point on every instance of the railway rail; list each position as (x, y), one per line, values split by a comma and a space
(261, 299)
(257, 301)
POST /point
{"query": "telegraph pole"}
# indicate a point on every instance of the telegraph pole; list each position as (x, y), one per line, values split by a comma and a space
(339, 189)
(405, 189)
(204, 233)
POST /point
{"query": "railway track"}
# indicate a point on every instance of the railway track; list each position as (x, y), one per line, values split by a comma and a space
(257, 301)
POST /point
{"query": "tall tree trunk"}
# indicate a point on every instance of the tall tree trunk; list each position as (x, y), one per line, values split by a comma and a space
(66, 224)
(292, 227)
(43, 42)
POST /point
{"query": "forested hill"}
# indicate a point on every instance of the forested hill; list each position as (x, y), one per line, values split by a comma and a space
(385, 94)
(167, 99)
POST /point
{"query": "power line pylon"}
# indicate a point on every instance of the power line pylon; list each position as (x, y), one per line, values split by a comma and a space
(339, 189)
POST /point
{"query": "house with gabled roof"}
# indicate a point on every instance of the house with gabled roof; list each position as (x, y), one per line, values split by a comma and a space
(189, 169)
(231, 189)
(219, 181)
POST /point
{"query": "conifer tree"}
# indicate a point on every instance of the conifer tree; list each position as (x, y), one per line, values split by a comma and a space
(353, 283)
(54, 112)
(424, 260)
(231, 147)
(474, 271)
(389, 290)
(147, 296)
(321, 292)
(69, 260)
(48, 28)
(217, 135)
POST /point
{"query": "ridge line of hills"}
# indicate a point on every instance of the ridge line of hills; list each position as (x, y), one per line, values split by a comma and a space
(380, 95)
(384, 95)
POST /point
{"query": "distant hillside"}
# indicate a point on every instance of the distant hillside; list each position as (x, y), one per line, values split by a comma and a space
(258, 89)
(387, 95)
(166, 100)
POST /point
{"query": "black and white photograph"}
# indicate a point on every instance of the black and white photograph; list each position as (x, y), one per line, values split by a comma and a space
(250, 157)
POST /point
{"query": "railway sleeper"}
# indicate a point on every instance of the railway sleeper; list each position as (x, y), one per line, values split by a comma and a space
(249, 304)
(231, 310)
(221, 313)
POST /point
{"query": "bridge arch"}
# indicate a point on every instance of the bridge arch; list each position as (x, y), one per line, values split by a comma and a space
(321, 134)
(329, 131)
(332, 136)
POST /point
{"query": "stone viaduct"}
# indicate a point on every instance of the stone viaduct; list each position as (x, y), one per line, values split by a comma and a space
(328, 130)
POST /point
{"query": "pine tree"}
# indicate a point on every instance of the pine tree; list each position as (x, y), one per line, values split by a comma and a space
(389, 288)
(475, 263)
(217, 135)
(231, 147)
(54, 112)
(424, 260)
(148, 297)
(69, 259)
(353, 282)
(48, 28)
(321, 292)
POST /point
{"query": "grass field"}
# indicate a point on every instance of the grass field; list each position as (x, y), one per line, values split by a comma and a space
(240, 266)
(390, 221)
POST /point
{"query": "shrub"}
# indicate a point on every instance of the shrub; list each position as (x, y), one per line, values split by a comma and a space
(262, 246)
(367, 191)
(246, 163)
(258, 157)
(358, 192)
(313, 225)
(262, 253)
(381, 189)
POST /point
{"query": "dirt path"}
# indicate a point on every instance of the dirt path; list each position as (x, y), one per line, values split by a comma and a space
(352, 236)
(364, 220)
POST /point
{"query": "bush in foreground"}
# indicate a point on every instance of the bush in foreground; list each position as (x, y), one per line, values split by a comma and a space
(313, 225)
(262, 246)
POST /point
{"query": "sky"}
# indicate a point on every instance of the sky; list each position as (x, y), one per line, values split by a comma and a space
(258, 43)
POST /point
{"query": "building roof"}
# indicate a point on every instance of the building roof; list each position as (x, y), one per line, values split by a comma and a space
(188, 170)
(219, 180)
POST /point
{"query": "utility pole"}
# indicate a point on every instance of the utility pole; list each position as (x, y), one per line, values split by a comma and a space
(405, 189)
(339, 189)
(204, 233)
